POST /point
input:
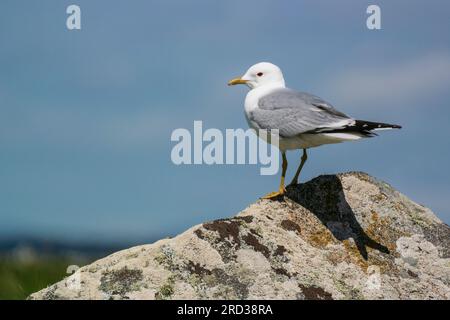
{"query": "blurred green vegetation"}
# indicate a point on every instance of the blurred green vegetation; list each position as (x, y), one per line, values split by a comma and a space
(18, 279)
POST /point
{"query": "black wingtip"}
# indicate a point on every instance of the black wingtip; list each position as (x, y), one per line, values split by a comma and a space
(393, 126)
(369, 125)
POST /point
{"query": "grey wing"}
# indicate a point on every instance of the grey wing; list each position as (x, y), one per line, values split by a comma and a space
(293, 113)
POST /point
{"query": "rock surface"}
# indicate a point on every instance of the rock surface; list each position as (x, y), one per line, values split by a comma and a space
(345, 236)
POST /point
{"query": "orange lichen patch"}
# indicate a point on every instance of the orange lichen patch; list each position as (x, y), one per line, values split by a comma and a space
(379, 229)
(386, 264)
(354, 256)
(321, 238)
(310, 228)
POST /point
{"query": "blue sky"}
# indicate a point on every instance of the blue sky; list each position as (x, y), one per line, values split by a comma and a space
(86, 116)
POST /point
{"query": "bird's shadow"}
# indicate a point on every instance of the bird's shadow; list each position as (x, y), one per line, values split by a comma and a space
(324, 197)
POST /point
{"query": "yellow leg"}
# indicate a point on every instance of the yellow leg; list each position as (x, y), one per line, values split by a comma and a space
(300, 167)
(281, 189)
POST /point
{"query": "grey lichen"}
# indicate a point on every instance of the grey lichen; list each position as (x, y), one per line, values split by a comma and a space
(120, 282)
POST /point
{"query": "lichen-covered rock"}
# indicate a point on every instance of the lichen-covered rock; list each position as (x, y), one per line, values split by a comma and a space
(345, 236)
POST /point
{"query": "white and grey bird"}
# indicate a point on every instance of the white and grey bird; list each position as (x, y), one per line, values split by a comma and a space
(303, 120)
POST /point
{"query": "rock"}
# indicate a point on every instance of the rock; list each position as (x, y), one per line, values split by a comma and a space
(345, 236)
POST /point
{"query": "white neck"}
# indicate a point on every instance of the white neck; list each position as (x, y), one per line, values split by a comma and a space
(251, 100)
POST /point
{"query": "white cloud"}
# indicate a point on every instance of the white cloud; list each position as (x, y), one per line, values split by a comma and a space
(405, 81)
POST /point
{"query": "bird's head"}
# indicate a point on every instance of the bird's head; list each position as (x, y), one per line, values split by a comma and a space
(260, 74)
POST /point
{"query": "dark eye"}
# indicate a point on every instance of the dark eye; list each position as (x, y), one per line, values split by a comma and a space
(259, 74)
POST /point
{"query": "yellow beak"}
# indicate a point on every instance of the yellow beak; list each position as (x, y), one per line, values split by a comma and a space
(236, 81)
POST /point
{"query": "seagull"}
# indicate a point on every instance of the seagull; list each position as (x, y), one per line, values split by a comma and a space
(303, 120)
